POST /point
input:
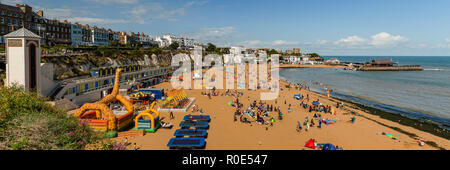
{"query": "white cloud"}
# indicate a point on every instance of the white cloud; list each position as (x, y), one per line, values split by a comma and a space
(115, 1)
(283, 43)
(88, 20)
(222, 35)
(321, 42)
(254, 42)
(144, 13)
(384, 39)
(12, 2)
(350, 41)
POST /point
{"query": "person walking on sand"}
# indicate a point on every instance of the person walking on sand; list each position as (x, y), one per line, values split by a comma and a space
(134, 147)
(299, 126)
(171, 115)
(307, 126)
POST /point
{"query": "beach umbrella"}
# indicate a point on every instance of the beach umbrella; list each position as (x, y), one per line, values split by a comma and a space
(328, 147)
(310, 144)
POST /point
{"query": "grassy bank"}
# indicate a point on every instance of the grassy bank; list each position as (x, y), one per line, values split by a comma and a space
(28, 123)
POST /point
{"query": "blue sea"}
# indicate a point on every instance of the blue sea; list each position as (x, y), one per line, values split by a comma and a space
(423, 95)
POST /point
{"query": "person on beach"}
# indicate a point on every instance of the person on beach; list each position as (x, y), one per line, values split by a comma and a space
(307, 126)
(171, 115)
(320, 124)
(353, 119)
(299, 126)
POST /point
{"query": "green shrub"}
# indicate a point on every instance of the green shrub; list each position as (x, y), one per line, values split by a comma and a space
(28, 123)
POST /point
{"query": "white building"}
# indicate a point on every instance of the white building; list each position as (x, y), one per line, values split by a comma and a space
(162, 42)
(23, 56)
(294, 59)
(333, 61)
(237, 54)
(188, 43)
(172, 38)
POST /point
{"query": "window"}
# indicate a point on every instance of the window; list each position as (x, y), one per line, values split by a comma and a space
(2, 20)
(9, 21)
(2, 30)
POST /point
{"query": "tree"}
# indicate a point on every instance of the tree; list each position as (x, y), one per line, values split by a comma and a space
(174, 46)
(211, 47)
(316, 57)
(273, 51)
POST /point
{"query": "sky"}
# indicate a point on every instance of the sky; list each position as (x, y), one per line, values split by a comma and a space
(327, 27)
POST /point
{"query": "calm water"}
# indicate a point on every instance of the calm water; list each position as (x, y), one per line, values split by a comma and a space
(424, 95)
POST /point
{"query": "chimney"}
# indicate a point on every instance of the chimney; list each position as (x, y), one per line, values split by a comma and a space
(40, 13)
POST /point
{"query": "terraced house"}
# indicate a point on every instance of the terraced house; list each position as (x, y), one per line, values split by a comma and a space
(100, 36)
(58, 32)
(14, 17)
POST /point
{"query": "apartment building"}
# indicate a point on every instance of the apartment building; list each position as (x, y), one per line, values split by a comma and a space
(77, 34)
(58, 32)
(113, 37)
(100, 36)
(87, 35)
(15, 17)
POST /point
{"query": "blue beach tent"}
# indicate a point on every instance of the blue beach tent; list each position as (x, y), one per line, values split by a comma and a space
(328, 147)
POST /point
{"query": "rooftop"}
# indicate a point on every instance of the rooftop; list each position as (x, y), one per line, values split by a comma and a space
(22, 33)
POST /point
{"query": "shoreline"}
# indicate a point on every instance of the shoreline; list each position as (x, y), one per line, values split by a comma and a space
(428, 127)
(431, 128)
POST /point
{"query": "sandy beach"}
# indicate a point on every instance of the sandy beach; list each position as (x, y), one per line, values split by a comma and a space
(226, 134)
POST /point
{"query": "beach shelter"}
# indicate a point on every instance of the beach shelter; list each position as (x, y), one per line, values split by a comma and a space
(310, 144)
(328, 147)
(316, 103)
(297, 96)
